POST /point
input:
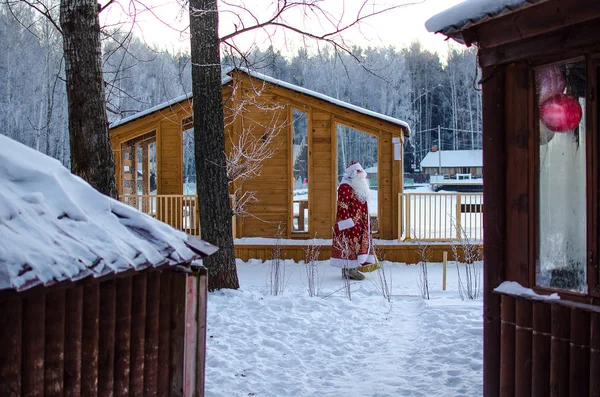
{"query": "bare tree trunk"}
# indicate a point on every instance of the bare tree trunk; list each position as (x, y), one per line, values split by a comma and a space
(209, 137)
(91, 154)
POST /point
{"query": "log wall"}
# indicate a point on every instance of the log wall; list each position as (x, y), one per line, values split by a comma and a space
(100, 338)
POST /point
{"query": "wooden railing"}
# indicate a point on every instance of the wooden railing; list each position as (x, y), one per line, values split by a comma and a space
(440, 216)
(179, 211)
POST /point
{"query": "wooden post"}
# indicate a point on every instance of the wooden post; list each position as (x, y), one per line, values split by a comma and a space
(106, 339)
(55, 344)
(541, 350)
(445, 266)
(164, 326)
(177, 332)
(10, 352)
(559, 365)
(507, 342)
(73, 341)
(34, 313)
(89, 340)
(494, 213)
(523, 341)
(138, 335)
(579, 380)
(202, 292)
(458, 217)
(191, 334)
(152, 341)
(122, 336)
(595, 355)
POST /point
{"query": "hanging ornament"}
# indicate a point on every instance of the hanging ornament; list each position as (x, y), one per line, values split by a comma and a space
(550, 81)
(560, 113)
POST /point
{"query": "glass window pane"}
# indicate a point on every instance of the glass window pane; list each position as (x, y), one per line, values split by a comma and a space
(300, 170)
(189, 163)
(561, 261)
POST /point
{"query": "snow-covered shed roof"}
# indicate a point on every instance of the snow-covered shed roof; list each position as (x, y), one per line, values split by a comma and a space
(274, 81)
(55, 227)
(453, 158)
(473, 12)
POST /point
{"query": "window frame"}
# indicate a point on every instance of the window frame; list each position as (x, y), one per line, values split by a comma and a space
(592, 108)
(301, 234)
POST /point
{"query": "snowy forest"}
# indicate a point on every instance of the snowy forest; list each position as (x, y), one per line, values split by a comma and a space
(411, 84)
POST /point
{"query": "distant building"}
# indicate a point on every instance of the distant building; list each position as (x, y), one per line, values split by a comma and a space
(453, 162)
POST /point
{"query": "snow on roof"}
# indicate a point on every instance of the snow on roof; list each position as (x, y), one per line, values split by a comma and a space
(453, 158)
(472, 12)
(326, 98)
(280, 83)
(56, 227)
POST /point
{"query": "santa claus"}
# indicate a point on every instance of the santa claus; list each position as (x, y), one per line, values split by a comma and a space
(352, 248)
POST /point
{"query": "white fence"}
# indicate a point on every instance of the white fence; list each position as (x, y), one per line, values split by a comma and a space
(440, 216)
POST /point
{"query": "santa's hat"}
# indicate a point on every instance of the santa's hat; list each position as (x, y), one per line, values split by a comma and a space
(352, 169)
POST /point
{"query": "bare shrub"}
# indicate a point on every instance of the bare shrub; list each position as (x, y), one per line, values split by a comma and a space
(276, 275)
(311, 269)
(381, 279)
(469, 279)
(425, 257)
(343, 245)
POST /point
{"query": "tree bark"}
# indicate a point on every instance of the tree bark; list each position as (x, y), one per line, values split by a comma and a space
(209, 137)
(91, 154)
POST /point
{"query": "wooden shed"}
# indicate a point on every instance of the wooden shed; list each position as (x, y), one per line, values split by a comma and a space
(540, 65)
(96, 298)
(296, 188)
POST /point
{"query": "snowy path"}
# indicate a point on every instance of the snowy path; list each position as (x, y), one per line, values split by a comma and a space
(294, 345)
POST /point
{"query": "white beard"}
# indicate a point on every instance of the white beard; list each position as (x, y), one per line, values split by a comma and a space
(360, 184)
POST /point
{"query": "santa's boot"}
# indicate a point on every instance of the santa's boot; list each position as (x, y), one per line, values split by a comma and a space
(352, 274)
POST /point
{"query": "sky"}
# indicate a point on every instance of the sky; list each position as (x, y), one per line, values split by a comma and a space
(163, 24)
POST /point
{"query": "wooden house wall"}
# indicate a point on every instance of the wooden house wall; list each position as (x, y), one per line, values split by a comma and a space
(117, 337)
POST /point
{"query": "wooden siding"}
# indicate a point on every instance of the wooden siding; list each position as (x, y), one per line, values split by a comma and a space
(99, 338)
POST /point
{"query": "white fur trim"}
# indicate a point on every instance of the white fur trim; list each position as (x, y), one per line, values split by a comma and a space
(366, 258)
(344, 263)
(353, 167)
(346, 224)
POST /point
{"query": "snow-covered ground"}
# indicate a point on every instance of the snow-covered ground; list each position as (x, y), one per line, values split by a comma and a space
(295, 345)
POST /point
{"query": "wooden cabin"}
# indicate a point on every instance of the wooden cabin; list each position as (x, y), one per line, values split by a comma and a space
(297, 186)
(540, 65)
(96, 298)
(453, 163)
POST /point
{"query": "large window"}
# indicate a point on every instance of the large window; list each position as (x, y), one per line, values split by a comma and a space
(355, 145)
(189, 162)
(562, 189)
(300, 171)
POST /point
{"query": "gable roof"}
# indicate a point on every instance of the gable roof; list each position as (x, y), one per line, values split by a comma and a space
(404, 125)
(453, 158)
(55, 227)
(473, 12)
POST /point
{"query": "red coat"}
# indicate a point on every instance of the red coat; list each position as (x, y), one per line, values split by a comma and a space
(352, 245)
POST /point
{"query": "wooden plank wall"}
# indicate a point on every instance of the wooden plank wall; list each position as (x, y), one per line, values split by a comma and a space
(549, 348)
(323, 164)
(170, 159)
(96, 339)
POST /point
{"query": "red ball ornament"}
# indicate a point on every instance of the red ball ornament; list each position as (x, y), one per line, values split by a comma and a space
(550, 81)
(560, 113)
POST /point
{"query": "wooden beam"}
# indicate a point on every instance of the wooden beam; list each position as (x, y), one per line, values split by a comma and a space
(11, 315)
(55, 344)
(34, 313)
(177, 332)
(579, 372)
(152, 341)
(122, 337)
(89, 340)
(164, 328)
(541, 350)
(507, 344)
(73, 341)
(202, 291)
(559, 365)
(595, 354)
(494, 215)
(106, 339)
(523, 347)
(138, 335)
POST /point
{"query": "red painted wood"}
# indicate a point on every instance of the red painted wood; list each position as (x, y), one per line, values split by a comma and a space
(559, 365)
(201, 340)
(595, 355)
(164, 327)
(73, 341)
(541, 350)
(177, 332)
(152, 330)
(138, 335)
(32, 375)
(507, 352)
(106, 340)
(89, 340)
(10, 346)
(191, 334)
(122, 337)
(55, 344)
(523, 347)
(579, 373)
